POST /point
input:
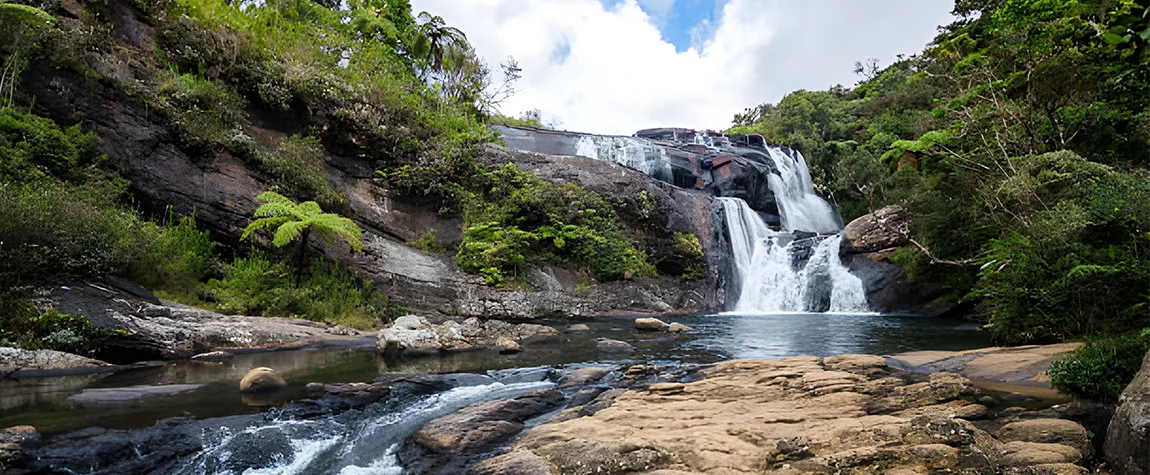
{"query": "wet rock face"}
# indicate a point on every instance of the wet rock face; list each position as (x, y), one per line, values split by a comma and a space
(846, 414)
(154, 331)
(885, 228)
(1127, 445)
(484, 425)
(414, 335)
(16, 443)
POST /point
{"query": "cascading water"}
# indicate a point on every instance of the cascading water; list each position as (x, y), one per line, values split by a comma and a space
(800, 208)
(776, 272)
(638, 153)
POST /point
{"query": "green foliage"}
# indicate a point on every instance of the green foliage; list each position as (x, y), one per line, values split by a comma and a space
(297, 167)
(287, 220)
(49, 227)
(21, 325)
(1017, 140)
(1101, 368)
(516, 215)
(688, 253)
(207, 111)
(525, 121)
(428, 243)
(183, 255)
(34, 148)
(257, 285)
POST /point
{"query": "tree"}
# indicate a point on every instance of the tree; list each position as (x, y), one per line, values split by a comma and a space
(287, 220)
(435, 39)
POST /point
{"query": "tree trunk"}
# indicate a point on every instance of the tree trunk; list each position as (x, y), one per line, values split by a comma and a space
(300, 255)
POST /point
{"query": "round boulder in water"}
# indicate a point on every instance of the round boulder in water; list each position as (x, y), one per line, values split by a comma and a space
(650, 324)
(678, 328)
(262, 380)
(606, 344)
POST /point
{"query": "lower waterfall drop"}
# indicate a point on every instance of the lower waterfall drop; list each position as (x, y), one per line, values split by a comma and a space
(778, 272)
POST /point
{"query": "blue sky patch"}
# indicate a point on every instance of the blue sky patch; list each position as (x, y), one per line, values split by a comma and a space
(561, 52)
(676, 19)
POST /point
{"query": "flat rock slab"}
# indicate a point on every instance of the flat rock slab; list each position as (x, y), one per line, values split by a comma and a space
(130, 393)
(1021, 365)
(846, 414)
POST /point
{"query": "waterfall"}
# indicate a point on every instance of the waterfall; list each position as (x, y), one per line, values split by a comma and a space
(800, 208)
(778, 272)
(637, 153)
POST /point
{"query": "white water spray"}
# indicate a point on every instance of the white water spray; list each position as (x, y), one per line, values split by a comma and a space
(773, 275)
(800, 208)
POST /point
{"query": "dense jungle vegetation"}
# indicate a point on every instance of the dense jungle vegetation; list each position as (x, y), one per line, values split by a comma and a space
(371, 80)
(1020, 141)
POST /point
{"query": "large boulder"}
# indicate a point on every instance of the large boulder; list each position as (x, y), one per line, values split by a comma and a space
(883, 229)
(1127, 445)
(1048, 431)
(650, 324)
(260, 380)
(485, 425)
(414, 335)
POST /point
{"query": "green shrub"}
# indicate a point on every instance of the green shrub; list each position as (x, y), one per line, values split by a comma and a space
(51, 228)
(328, 292)
(428, 243)
(688, 252)
(514, 214)
(207, 111)
(1101, 368)
(34, 148)
(183, 254)
(491, 250)
(297, 166)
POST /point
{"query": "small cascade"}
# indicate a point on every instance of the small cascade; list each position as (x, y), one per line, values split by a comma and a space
(637, 153)
(781, 272)
(800, 208)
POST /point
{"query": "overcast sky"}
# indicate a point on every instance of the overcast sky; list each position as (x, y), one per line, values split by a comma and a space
(617, 66)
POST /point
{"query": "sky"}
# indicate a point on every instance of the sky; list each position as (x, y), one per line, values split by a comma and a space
(617, 66)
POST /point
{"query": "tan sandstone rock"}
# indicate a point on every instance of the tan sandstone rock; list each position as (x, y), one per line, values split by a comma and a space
(848, 414)
(650, 324)
(1048, 431)
(262, 380)
(678, 328)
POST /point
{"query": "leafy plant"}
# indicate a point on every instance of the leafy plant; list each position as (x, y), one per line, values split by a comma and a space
(428, 243)
(287, 220)
(1101, 368)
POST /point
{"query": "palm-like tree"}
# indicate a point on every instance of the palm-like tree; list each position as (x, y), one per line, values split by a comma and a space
(435, 39)
(288, 220)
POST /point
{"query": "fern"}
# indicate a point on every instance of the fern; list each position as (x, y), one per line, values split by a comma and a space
(287, 221)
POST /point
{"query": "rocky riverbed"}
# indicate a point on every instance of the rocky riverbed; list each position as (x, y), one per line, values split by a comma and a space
(841, 414)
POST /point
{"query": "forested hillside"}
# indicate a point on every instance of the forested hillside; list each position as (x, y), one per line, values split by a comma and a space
(1020, 140)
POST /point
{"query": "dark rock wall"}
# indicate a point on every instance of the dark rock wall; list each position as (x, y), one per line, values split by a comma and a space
(220, 189)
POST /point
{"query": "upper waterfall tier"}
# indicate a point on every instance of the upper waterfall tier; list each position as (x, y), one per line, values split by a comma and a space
(773, 181)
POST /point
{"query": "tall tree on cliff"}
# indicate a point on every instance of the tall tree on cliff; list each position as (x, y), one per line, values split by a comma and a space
(435, 40)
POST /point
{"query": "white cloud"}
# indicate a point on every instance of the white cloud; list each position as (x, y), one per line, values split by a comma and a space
(620, 75)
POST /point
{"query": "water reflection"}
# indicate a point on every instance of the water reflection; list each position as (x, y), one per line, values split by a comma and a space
(43, 402)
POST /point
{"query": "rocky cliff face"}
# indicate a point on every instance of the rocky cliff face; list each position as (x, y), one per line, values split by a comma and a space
(220, 189)
(869, 242)
(1128, 438)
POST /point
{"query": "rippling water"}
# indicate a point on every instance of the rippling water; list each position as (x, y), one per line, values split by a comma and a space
(44, 403)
